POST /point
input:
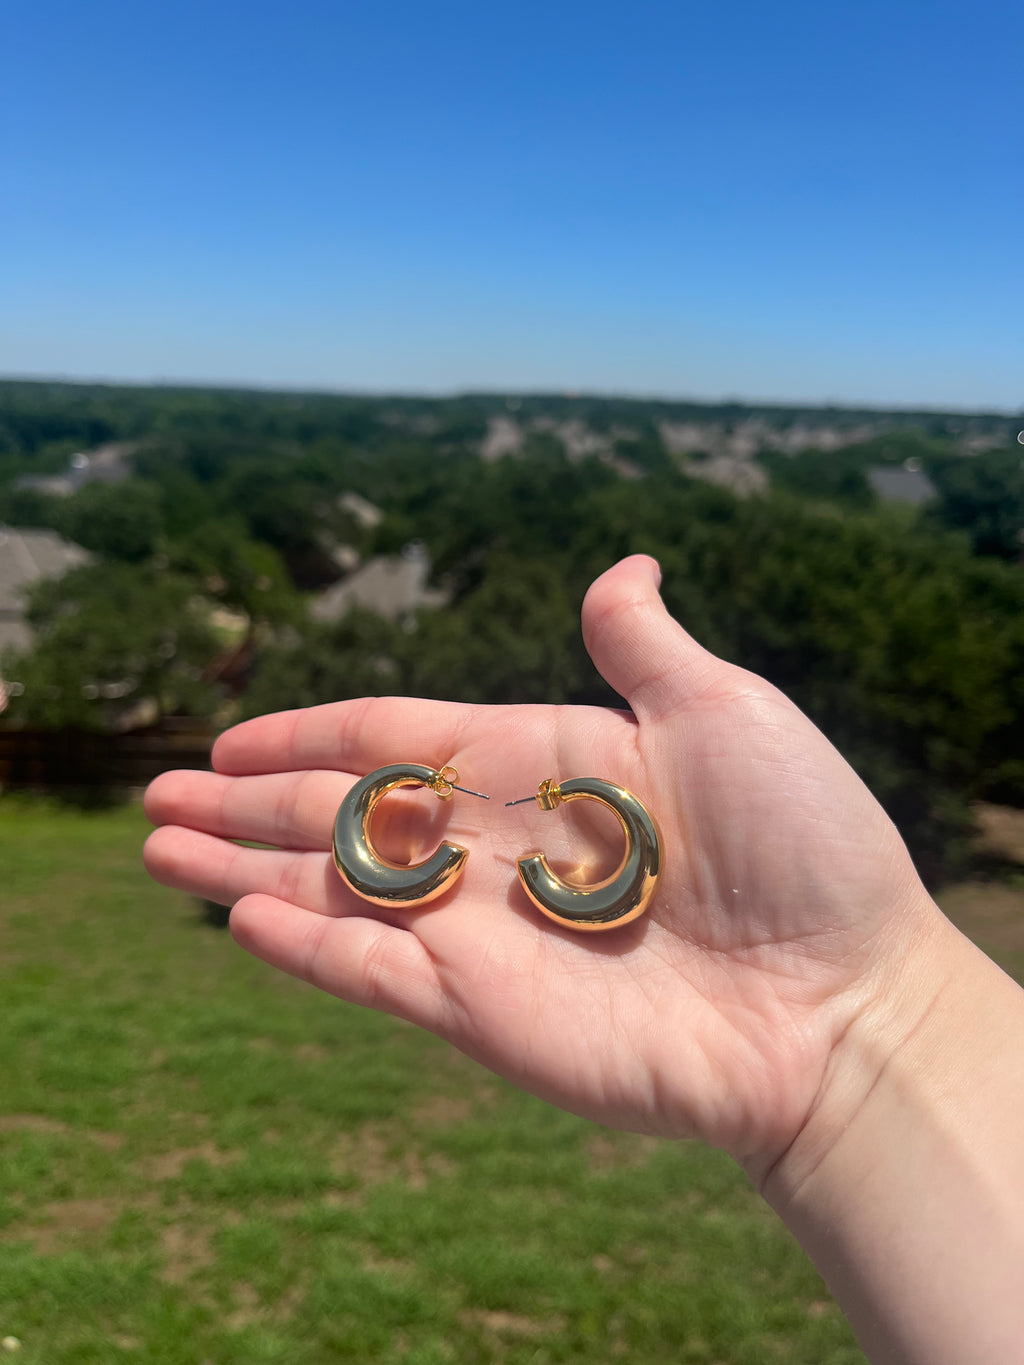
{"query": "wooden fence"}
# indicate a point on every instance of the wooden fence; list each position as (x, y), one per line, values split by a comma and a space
(51, 759)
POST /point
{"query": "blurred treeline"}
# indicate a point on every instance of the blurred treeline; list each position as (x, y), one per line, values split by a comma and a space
(898, 628)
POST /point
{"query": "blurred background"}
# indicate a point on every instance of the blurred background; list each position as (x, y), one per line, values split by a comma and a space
(340, 348)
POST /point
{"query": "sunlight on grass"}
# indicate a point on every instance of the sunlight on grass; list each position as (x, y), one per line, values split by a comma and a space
(206, 1161)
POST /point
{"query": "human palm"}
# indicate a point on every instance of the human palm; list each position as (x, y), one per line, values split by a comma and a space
(713, 1015)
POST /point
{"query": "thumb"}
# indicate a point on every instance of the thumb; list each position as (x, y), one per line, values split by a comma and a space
(636, 646)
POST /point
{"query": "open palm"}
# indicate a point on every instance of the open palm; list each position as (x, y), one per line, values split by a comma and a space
(713, 1015)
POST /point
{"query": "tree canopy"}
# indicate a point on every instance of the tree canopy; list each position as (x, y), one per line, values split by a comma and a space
(899, 630)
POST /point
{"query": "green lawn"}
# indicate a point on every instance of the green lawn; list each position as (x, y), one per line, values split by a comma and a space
(206, 1163)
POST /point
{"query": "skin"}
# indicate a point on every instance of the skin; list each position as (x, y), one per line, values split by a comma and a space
(789, 955)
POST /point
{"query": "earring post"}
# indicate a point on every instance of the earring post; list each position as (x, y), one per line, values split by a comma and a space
(444, 785)
(549, 795)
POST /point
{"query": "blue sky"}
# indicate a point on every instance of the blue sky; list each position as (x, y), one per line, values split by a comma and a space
(799, 201)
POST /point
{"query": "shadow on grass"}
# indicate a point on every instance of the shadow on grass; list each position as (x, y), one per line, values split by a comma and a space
(213, 914)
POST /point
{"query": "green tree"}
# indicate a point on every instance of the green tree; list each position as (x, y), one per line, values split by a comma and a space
(238, 571)
(107, 638)
(314, 663)
(984, 496)
(513, 638)
(118, 520)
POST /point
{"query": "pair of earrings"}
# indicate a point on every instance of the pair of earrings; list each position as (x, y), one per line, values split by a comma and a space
(616, 900)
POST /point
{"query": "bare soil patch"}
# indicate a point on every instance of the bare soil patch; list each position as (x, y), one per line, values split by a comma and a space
(373, 1154)
(186, 1249)
(990, 913)
(442, 1111)
(169, 1165)
(1001, 831)
(608, 1151)
(69, 1222)
(517, 1324)
(40, 1123)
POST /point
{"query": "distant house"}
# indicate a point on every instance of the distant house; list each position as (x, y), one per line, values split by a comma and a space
(26, 557)
(743, 476)
(391, 585)
(898, 483)
(105, 464)
(504, 437)
(365, 513)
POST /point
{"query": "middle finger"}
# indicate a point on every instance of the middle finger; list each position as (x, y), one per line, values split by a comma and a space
(289, 810)
(297, 811)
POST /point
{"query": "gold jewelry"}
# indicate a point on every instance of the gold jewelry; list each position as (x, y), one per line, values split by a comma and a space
(619, 898)
(362, 868)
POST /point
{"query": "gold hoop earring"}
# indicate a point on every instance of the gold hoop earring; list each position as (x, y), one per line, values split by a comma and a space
(621, 897)
(362, 868)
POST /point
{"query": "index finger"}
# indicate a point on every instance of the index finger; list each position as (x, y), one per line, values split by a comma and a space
(346, 736)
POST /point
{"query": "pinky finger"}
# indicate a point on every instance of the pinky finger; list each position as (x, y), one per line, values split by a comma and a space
(357, 959)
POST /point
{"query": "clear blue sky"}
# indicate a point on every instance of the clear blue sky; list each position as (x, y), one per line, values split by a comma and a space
(792, 201)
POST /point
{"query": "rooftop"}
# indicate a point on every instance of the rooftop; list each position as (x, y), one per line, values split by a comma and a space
(26, 556)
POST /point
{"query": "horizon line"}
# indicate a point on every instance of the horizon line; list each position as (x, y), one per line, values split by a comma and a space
(443, 395)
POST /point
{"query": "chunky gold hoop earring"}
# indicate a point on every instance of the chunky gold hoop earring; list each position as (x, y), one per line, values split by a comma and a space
(363, 869)
(619, 898)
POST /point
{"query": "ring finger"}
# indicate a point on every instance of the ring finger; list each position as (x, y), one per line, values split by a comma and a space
(221, 871)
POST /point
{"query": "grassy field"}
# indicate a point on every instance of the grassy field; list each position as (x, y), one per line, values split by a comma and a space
(206, 1163)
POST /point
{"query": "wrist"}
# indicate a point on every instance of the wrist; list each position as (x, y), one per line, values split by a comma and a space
(906, 1183)
(882, 1030)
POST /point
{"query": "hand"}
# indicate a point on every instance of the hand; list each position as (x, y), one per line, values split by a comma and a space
(784, 892)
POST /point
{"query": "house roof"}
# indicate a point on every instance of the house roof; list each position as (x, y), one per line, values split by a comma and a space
(26, 556)
(392, 586)
(105, 464)
(897, 484)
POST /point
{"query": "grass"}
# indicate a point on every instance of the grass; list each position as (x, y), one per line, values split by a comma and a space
(991, 910)
(207, 1163)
